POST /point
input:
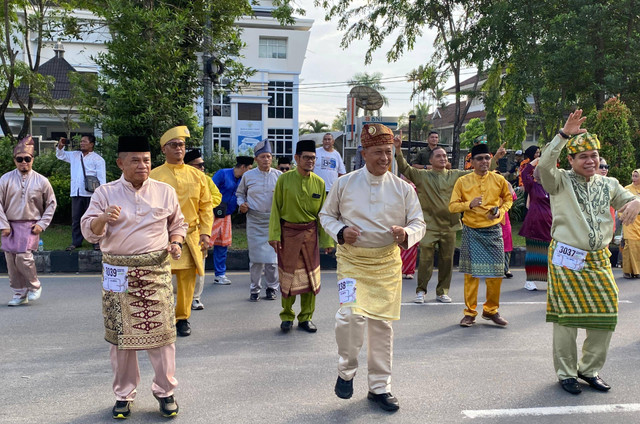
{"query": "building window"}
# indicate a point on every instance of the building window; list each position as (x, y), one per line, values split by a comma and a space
(221, 104)
(282, 140)
(221, 139)
(281, 99)
(249, 112)
(273, 48)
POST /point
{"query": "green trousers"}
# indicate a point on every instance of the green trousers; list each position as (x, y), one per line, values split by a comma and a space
(446, 242)
(565, 351)
(307, 306)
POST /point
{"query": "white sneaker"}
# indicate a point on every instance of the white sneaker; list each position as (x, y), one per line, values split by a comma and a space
(530, 285)
(221, 280)
(419, 297)
(196, 305)
(444, 299)
(34, 295)
(18, 300)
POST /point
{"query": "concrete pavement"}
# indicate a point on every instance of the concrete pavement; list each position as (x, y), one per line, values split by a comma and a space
(238, 367)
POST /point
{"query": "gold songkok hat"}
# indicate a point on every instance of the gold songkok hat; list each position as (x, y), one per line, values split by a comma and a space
(376, 135)
(181, 132)
(25, 145)
(583, 143)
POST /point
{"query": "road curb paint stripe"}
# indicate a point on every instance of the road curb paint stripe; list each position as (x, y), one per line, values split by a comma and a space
(553, 410)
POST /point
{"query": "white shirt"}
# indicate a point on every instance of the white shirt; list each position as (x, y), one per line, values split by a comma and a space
(256, 188)
(93, 164)
(328, 166)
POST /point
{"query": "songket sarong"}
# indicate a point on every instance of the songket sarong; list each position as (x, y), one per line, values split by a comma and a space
(378, 275)
(142, 317)
(585, 299)
(482, 251)
(299, 259)
(535, 261)
(221, 232)
(260, 251)
(409, 257)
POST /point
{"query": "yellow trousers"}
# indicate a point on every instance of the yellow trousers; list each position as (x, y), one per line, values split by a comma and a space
(471, 295)
(186, 279)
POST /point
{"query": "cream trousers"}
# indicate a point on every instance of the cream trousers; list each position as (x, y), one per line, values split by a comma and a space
(565, 351)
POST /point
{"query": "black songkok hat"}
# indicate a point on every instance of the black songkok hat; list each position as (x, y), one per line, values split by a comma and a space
(305, 146)
(284, 160)
(133, 143)
(244, 160)
(479, 149)
(531, 152)
(192, 155)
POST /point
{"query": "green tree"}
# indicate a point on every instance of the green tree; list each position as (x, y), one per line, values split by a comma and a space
(473, 129)
(314, 126)
(340, 121)
(421, 125)
(611, 124)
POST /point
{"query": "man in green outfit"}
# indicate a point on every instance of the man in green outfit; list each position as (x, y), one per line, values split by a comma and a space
(294, 230)
(434, 187)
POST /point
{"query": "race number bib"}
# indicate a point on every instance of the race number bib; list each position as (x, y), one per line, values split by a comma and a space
(569, 257)
(347, 291)
(114, 278)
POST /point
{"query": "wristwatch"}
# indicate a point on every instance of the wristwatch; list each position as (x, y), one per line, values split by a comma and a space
(341, 235)
(563, 135)
(178, 243)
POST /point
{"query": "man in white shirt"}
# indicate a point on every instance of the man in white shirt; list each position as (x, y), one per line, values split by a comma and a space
(80, 198)
(329, 165)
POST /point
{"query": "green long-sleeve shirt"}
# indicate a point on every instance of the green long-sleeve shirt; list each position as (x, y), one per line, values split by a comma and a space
(580, 208)
(434, 193)
(297, 199)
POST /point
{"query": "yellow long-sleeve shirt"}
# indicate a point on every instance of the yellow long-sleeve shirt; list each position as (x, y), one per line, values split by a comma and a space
(493, 189)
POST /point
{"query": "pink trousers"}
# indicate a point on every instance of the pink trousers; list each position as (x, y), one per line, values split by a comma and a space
(23, 276)
(126, 374)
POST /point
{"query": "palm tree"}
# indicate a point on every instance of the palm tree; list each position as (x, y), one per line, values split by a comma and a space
(422, 124)
(314, 126)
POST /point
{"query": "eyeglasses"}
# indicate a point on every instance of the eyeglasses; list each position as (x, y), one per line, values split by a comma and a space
(284, 168)
(604, 166)
(198, 165)
(484, 157)
(176, 144)
(20, 159)
(308, 158)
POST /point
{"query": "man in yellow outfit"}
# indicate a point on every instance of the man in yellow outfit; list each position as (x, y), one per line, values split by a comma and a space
(194, 197)
(484, 198)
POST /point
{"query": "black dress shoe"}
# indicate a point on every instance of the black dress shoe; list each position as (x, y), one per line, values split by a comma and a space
(387, 401)
(595, 382)
(344, 388)
(508, 274)
(255, 297)
(571, 385)
(183, 328)
(308, 326)
(286, 326)
(271, 294)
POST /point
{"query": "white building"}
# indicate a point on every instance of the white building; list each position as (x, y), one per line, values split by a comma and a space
(268, 108)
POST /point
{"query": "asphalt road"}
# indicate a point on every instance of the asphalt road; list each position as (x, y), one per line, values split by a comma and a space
(237, 367)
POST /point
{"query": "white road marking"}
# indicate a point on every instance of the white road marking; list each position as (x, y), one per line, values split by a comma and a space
(501, 303)
(552, 410)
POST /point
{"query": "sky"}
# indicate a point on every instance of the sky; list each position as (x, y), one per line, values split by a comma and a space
(326, 62)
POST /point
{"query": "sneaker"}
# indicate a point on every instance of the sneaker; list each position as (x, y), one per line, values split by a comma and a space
(443, 299)
(271, 294)
(168, 406)
(408, 276)
(196, 305)
(122, 409)
(419, 297)
(221, 280)
(254, 297)
(34, 295)
(530, 285)
(467, 321)
(18, 300)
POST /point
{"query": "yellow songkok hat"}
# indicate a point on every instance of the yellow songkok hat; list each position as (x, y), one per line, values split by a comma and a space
(583, 143)
(181, 132)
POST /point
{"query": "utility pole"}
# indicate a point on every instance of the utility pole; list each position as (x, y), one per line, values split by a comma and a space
(207, 139)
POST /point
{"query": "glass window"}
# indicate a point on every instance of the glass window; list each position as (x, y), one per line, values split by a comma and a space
(280, 99)
(222, 138)
(282, 139)
(272, 48)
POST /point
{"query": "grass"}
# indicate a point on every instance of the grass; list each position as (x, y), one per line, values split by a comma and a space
(58, 237)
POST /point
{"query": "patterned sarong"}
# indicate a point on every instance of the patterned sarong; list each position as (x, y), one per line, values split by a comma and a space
(221, 232)
(378, 275)
(299, 259)
(482, 252)
(535, 261)
(144, 316)
(587, 298)
(409, 257)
